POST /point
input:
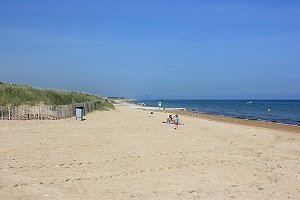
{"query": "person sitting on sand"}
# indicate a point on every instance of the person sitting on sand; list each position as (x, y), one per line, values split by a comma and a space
(170, 119)
(176, 121)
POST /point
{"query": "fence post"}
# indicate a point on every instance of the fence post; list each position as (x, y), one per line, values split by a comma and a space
(8, 107)
(39, 113)
(26, 113)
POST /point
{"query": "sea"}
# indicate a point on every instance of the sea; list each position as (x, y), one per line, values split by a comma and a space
(279, 111)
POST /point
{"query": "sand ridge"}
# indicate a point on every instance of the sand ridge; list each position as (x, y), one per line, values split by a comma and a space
(129, 154)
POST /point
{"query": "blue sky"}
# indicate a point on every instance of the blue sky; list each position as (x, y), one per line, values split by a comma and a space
(154, 49)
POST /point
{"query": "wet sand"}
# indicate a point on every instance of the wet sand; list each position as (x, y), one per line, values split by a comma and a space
(248, 122)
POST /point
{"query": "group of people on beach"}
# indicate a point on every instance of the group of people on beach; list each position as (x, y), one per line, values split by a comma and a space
(173, 120)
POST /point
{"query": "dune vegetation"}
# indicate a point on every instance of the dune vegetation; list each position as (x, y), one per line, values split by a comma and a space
(15, 95)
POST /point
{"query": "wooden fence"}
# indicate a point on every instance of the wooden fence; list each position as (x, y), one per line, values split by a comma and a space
(44, 112)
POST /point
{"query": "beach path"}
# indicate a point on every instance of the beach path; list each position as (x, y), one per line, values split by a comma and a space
(129, 154)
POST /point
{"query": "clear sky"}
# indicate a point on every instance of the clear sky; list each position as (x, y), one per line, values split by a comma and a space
(159, 48)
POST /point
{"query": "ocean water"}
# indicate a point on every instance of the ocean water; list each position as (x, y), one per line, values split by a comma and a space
(283, 111)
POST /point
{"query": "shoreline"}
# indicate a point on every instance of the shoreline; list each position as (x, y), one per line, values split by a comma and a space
(217, 117)
(247, 122)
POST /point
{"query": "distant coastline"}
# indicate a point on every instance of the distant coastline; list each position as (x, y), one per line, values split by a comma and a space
(215, 117)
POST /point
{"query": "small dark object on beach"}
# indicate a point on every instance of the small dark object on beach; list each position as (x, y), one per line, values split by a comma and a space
(151, 113)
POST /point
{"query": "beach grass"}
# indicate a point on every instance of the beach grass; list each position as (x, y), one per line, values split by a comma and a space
(106, 105)
(15, 95)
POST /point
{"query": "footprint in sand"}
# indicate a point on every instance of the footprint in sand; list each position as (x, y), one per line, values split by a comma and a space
(193, 192)
(179, 166)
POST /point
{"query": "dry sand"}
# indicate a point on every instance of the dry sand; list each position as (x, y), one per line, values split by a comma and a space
(129, 154)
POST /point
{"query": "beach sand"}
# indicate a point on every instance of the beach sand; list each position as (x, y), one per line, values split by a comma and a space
(129, 154)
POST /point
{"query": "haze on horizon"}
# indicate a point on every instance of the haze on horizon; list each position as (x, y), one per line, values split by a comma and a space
(154, 49)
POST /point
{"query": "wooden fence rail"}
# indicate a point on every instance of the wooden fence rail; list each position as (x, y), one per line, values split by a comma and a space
(44, 112)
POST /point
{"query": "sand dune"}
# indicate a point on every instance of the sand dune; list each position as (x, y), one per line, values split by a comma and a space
(129, 154)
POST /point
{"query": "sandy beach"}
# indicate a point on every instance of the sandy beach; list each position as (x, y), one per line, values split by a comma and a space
(129, 153)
